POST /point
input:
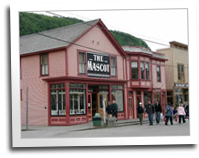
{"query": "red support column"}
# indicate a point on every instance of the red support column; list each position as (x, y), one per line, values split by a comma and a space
(67, 103)
(87, 102)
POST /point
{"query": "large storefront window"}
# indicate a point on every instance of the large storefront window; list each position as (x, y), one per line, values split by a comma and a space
(57, 99)
(147, 96)
(117, 94)
(77, 99)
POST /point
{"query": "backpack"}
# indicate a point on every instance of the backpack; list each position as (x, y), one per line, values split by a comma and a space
(167, 110)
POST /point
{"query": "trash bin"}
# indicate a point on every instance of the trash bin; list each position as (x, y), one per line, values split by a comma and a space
(97, 120)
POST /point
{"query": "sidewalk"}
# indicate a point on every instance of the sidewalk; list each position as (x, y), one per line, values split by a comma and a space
(85, 126)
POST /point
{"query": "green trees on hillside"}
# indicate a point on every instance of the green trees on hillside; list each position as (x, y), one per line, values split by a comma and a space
(32, 23)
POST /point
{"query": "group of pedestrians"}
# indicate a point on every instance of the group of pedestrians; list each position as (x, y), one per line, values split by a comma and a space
(150, 109)
(112, 109)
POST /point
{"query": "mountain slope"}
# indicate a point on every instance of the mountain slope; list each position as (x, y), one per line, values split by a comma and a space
(32, 23)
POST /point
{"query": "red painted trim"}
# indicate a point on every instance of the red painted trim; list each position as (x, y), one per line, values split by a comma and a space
(20, 69)
(45, 51)
(139, 54)
(66, 61)
(87, 116)
(123, 68)
(49, 108)
(67, 94)
(95, 80)
(21, 95)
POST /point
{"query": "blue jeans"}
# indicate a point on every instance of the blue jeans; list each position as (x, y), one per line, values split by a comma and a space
(150, 117)
(157, 117)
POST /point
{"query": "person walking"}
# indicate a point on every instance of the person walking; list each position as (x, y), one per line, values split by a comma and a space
(115, 108)
(150, 111)
(168, 114)
(181, 113)
(187, 110)
(140, 111)
(158, 110)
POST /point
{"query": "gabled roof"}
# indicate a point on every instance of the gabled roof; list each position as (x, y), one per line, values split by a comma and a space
(41, 41)
(62, 37)
(133, 49)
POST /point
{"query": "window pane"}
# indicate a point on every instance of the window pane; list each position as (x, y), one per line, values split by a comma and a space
(113, 71)
(118, 96)
(44, 59)
(76, 85)
(103, 87)
(82, 57)
(182, 68)
(113, 61)
(158, 73)
(117, 87)
(130, 92)
(134, 69)
(147, 70)
(57, 98)
(142, 70)
(77, 101)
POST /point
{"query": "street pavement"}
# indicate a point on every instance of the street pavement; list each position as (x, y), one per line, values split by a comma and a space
(123, 129)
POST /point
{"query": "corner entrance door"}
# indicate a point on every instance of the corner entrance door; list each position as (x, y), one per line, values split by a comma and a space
(100, 104)
(89, 106)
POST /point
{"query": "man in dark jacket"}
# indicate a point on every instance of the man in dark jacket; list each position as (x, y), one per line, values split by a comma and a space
(158, 110)
(150, 111)
(109, 109)
(115, 109)
(140, 112)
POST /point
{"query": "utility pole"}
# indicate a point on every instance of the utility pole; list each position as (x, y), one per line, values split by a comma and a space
(26, 108)
(104, 110)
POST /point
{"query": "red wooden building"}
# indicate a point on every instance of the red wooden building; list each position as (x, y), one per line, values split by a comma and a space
(68, 70)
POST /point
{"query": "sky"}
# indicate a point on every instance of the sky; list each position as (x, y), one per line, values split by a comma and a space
(158, 26)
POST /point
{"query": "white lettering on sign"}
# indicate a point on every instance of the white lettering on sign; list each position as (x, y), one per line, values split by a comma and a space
(98, 58)
(98, 67)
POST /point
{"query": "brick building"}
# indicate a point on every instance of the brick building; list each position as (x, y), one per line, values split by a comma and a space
(69, 70)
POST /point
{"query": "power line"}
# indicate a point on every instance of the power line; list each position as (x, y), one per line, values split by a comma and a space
(55, 38)
(103, 28)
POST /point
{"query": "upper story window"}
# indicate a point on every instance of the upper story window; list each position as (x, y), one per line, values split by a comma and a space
(142, 70)
(134, 70)
(82, 63)
(44, 64)
(180, 72)
(147, 70)
(158, 74)
(113, 66)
